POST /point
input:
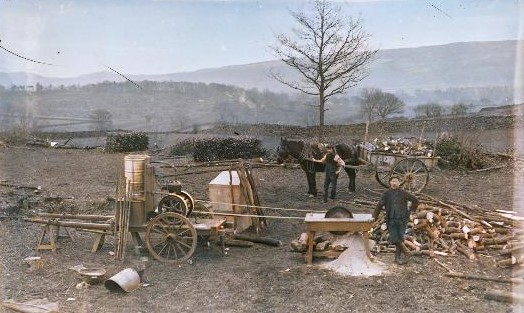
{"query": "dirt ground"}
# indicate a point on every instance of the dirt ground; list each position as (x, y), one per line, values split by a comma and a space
(257, 279)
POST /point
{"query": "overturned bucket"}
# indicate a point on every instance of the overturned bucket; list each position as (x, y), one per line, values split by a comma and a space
(126, 280)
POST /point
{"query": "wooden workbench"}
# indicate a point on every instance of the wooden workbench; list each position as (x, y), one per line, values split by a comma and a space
(317, 222)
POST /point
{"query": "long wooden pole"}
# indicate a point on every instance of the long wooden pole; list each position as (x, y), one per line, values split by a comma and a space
(76, 216)
(70, 224)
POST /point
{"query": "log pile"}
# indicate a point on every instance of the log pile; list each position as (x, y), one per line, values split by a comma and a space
(448, 228)
(402, 146)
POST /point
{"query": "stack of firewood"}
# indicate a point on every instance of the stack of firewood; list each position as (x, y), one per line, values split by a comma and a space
(402, 146)
(444, 228)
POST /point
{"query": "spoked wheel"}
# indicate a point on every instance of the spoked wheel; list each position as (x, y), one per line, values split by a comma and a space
(173, 203)
(413, 173)
(190, 202)
(171, 238)
(201, 211)
(382, 174)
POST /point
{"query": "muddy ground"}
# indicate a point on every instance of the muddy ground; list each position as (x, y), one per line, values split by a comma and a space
(257, 279)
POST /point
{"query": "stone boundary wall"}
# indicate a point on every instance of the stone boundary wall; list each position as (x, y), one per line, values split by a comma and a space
(414, 126)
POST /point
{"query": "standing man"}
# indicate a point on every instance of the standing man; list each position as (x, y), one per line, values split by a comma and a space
(395, 202)
(333, 166)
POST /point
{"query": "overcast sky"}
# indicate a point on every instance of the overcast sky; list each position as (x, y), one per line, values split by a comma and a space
(156, 37)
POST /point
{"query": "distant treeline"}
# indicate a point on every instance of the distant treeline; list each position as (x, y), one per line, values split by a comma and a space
(168, 106)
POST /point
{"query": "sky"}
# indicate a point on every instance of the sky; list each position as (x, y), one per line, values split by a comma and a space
(71, 38)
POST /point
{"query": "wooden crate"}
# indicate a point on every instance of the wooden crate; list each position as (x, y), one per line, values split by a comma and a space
(225, 196)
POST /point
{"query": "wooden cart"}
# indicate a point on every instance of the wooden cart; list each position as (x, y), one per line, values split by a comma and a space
(413, 170)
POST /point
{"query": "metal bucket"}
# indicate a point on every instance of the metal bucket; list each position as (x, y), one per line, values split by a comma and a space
(126, 280)
(134, 172)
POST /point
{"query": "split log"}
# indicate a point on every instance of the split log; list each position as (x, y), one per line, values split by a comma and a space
(496, 247)
(432, 233)
(496, 241)
(465, 250)
(477, 230)
(442, 243)
(264, 240)
(502, 230)
(420, 224)
(459, 236)
(509, 262)
(454, 224)
(451, 230)
(479, 248)
(411, 245)
(512, 251)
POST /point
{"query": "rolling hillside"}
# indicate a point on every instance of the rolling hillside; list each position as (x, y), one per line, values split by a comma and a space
(466, 64)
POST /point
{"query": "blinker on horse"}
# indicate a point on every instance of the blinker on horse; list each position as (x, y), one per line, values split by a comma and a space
(304, 152)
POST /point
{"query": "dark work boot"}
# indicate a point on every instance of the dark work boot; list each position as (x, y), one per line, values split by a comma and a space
(398, 251)
(402, 258)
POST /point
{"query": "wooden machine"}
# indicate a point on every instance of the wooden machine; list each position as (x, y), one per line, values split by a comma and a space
(170, 231)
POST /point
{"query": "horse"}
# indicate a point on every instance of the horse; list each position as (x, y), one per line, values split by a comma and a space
(304, 152)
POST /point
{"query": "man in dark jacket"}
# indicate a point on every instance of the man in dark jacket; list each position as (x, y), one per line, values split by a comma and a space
(333, 166)
(395, 202)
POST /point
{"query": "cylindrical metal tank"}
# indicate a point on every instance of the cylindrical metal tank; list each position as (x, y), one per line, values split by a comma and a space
(134, 172)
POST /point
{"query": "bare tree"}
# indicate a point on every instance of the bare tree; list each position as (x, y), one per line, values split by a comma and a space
(459, 109)
(101, 119)
(431, 109)
(368, 104)
(389, 104)
(376, 103)
(328, 51)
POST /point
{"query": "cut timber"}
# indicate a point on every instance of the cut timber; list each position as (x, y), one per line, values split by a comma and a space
(496, 241)
(503, 296)
(236, 243)
(495, 279)
(465, 250)
(443, 265)
(264, 240)
(507, 262)
(411, 245)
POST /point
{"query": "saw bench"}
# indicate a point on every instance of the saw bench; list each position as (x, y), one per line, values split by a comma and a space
(317, 222)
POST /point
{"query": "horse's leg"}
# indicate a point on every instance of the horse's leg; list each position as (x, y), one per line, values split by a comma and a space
(352, 174)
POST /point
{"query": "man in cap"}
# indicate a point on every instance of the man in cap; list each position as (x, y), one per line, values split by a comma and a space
(395, 202)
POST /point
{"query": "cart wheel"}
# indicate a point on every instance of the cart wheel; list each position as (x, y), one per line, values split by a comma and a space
(171, 238)
(189, 201)
(413, 173)
(203, 211)
(382, 174)
(173, 203)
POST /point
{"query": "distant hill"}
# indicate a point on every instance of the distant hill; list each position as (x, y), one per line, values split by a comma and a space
(464, 64)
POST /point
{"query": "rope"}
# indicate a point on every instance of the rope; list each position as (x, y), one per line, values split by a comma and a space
(264, 207)
(250, 215)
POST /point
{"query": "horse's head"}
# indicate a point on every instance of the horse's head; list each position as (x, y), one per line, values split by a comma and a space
(282, 150)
